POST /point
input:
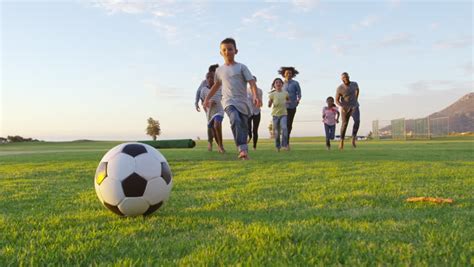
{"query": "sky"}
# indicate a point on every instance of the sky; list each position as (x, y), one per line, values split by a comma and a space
(97, 70)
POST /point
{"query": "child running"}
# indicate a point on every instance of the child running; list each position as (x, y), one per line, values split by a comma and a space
(198, 98)
(279, 98)
(233, 77)
(254, 119)
(330, 118)
(214, 113)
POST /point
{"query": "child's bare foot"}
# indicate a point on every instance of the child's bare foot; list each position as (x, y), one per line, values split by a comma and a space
(221, 149)
(328, 148)
(243, 155)
(354, 142)
(209, 147)
(341, 145)
(286, 148)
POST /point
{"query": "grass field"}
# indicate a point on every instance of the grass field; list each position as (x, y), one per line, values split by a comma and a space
(308, 206)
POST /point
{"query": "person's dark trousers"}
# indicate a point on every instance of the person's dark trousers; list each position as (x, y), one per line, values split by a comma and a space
(346, 113)
(330, 131)
(291, 116)
(254, 122)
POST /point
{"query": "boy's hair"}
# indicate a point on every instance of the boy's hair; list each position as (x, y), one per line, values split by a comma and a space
(345, 73)
(255, 78)
(274, 81)
(282, 70)
(229, 41)
(213, 68)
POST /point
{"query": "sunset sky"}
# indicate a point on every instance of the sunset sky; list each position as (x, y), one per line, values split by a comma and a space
(98, 69)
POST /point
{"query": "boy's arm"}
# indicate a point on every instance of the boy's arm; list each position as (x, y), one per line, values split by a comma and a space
(213, 91)
(256, 100)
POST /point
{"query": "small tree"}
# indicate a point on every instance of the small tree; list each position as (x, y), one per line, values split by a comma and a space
(153, 129)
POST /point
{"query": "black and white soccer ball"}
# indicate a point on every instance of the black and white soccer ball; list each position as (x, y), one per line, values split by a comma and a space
(133, 179)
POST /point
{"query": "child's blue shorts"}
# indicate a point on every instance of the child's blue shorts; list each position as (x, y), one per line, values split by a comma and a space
(217, 118)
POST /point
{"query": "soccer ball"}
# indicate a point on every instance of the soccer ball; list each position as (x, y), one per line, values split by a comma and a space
(133, 179)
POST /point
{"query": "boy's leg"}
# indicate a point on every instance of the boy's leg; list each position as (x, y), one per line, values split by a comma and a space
(239, 124)
(242, 132)
(276, 131)
(291, 116)
(234, 119)
(355, 128)
(284, 131)
(256, 123)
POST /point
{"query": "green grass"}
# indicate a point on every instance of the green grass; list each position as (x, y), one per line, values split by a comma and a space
(304, 207)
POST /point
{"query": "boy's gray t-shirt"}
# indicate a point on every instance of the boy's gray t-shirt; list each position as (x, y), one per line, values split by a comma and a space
(348, 93)
(234, 80)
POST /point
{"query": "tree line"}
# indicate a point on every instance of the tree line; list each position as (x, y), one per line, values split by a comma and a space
(16, 139)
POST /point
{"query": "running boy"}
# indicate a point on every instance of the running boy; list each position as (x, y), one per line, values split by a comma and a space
(279, 98)
(233, 78)
(330, 118)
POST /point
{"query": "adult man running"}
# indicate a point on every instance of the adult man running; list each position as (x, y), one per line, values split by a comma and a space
(347, 95)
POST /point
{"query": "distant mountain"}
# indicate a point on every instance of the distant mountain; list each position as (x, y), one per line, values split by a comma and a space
(459, 116)
(460, 113)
